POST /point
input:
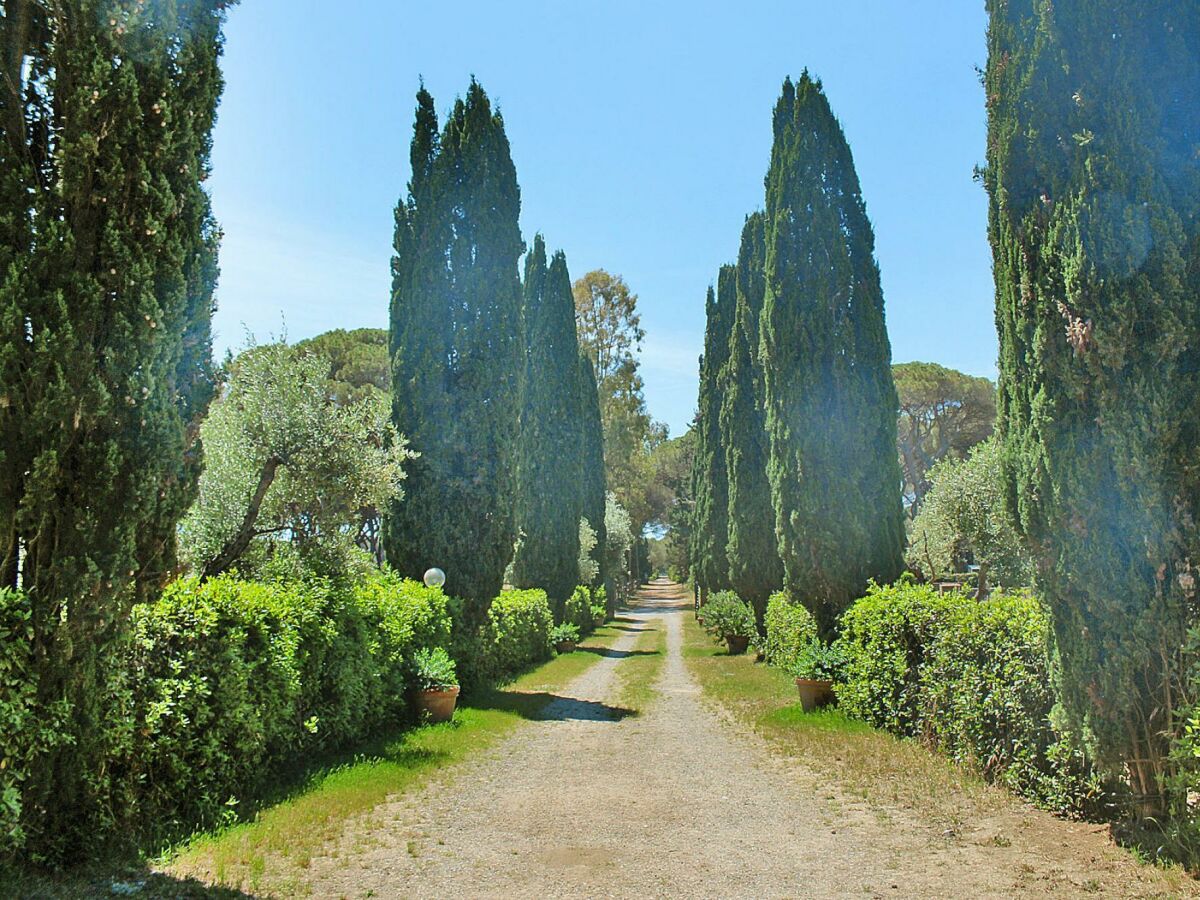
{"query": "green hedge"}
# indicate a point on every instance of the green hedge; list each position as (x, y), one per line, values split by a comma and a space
(790, 628)
(518, 631)
(972, 677)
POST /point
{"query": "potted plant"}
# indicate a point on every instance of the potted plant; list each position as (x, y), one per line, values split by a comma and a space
(565, 637)
(729, 620)
(598, 615)
(435, 682)
(816, 667)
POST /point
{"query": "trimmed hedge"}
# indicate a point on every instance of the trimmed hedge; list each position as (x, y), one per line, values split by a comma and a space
(972, 677)
(578, 610)
(518, 631)
(790, 629)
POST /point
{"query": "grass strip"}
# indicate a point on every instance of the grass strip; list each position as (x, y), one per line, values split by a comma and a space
(638, 672)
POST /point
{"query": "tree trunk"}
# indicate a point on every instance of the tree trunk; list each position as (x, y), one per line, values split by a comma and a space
(237, 545)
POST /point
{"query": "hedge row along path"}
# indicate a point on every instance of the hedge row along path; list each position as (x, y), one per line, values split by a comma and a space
(678, 801)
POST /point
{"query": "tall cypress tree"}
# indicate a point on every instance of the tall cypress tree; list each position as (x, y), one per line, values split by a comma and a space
(755, 569)
(455, 334)
(710, 516)
(1095, 231)
(831, 402)
(550, 451)
(107, 268)
(593, 480)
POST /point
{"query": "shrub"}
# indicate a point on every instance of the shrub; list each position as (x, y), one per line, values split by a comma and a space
(578, 609)
(228, 678)
(433, 670)
(518, 632)
(563, 633)
(818, 661)
(989, 701)
(790, 628)
(886, 638)
(726, 615)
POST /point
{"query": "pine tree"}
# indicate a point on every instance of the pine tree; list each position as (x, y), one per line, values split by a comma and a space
(592, 479)
(107, 268)
(1095, 229)
(831, 403)
(755, 569)
(455, 336)
(710, 530)
(550, 451)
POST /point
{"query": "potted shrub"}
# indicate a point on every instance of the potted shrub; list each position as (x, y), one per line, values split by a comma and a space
(730, 620)
(598, 614)
(565, 637)
(817, 666)
(435, 681)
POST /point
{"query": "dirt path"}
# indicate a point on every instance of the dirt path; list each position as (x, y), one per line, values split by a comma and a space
(673, 802)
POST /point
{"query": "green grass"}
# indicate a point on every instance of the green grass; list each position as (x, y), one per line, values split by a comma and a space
(638, 673)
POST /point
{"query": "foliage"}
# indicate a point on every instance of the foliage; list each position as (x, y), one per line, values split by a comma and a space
(456, 350)
(593, 483)
(831, 404)
(943, 414)
(755, 569)
(707, 560)
(108, 253)
(789, 629)
(433, 670)
(549, 497)
(563, 633)
(516, 635)
(988, 686)
(610, 334)
(579, 610)
(284, 463)
(818, 661)
(1094, 222)
(672, 500)
(358, 363)
(226, 680)
(966, 518)
(589, 569)
(619, 535)
(726, 615)
(886, 639)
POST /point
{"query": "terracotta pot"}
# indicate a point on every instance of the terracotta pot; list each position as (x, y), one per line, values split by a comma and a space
(736, 643)
(597, 621)
(565, 646)
(814, 693)
(436, 706)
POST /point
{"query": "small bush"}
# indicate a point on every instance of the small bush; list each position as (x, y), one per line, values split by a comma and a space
(790, 629)
(727, 615)
(433, 670)
(563, 633)
(578, 609)
(886, 638)
(819, 661)
(518, 632)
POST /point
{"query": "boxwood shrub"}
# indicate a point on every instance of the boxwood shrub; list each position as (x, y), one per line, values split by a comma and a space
(790, 629)
(518, 631)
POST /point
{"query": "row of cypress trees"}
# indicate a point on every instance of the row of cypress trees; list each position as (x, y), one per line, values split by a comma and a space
(796, 478)
(107, 269)
(488, 381)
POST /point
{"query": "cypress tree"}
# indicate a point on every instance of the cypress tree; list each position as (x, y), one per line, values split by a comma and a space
(1094, 210)
(710, 531)
(107, 268)
(592, 480)
(455, 334)
(831, 402)
(550, 451)
(755, 569)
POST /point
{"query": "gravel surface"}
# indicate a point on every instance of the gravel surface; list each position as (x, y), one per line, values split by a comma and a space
(674, 802)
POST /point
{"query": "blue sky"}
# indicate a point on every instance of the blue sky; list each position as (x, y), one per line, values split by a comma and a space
(640, 132)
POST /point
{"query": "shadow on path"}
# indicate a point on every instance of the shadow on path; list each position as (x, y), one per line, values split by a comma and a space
(540, 706)
(610, 653)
